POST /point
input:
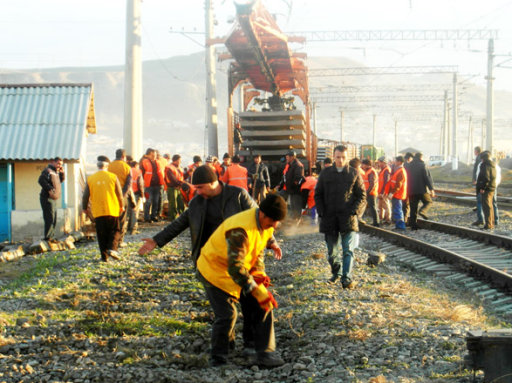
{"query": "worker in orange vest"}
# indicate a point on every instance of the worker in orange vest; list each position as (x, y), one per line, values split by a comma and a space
(138, 192)
(174, 179)
(356, 164)
(397, 192)
(371, 184)
(384, 205)
(163, 161)
(197, 161)
(226, 163)
(152, 180)
(308, 196)
(236, 174)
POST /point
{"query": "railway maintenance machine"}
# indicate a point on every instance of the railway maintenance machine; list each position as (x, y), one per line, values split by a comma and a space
(275, 115)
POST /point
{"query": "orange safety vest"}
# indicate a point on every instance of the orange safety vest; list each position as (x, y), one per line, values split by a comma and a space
(366, 175)
(161, 165)
(148, 168)
(236, 175)
(284, 174)
(176, 171)
(401, 192)
(188, 195)
(383, 188)
(310, 184)
(135, 178)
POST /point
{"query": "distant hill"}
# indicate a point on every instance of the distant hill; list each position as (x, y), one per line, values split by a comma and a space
(173, 110)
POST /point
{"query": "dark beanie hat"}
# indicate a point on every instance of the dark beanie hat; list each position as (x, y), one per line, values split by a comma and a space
(274, 207)
(203, 175)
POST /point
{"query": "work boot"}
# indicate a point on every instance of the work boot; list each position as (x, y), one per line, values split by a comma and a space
(477, 223)
(349, 285)
(113, 254)
(269, 359)
(422, 215)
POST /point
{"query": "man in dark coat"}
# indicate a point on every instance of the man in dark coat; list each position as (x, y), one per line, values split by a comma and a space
(214, 202)
(340, 196)
(294, 177)
(259, 179)
(50, 179)
(486, 186)
(420, 188)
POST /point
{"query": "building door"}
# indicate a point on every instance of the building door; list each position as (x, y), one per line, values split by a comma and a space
(5, 203)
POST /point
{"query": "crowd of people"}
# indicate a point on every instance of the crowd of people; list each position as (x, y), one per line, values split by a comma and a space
(232, 211)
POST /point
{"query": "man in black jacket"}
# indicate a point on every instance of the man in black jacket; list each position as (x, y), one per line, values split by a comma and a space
(340, 196)
(259, 179)
(294, 177)
(50, 179)
(420, 188)
(486, 186)
(214, 202)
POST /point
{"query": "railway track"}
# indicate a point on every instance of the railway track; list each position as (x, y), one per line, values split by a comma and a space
(481, 262)
(469, 198)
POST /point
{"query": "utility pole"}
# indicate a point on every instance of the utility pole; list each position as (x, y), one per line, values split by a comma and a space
(341, 126)
(490, 97)
(470, 141)
(444, 151)
(483, 135)
(132, 129)
(455, 157)
(211, 101)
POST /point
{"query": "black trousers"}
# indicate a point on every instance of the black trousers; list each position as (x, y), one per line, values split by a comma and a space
(372, 207)
(107, 233)
(406, 208)
(415, 201)
(49, 207)
(258, 329)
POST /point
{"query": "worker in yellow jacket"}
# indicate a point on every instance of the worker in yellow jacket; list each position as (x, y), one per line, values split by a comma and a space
(105, 195)
(231, 267)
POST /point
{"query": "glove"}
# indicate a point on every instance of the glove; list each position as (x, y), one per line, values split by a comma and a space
(261, 279)
(264, 297)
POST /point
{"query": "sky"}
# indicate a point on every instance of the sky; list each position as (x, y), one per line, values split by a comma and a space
(60, 33)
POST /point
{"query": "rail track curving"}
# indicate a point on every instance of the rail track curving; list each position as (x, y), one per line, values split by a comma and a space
(481, 261)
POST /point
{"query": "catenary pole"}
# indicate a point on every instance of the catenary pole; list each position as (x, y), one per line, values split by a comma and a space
(211, 101)
(132, 129)
(455, 157)
(490, 97)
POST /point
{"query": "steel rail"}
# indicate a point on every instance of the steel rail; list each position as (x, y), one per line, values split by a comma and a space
(477, 235)
(494, 277)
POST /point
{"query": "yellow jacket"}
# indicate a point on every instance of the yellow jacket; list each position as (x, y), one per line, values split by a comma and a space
(213, 261)
(102, 194)
(121, 169)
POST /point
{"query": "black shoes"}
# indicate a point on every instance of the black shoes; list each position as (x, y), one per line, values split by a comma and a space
(333, 279)
(269, 360)
(349, 285)
(477, 223)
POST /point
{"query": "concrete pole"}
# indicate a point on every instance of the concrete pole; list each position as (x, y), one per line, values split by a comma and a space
(211, 101)
(444, 139)
(374, 129)
(341, 126)
(470, 141)
(455, 156)
(132, 131)
(482, 144)
(490, 98)
(242, 97)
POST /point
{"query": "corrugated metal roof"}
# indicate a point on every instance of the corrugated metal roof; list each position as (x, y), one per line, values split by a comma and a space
(44, 121)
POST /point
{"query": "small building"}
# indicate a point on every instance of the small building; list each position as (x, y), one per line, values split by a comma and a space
(39, 122)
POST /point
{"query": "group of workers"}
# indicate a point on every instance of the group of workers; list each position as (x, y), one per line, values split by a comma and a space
(232, 217)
